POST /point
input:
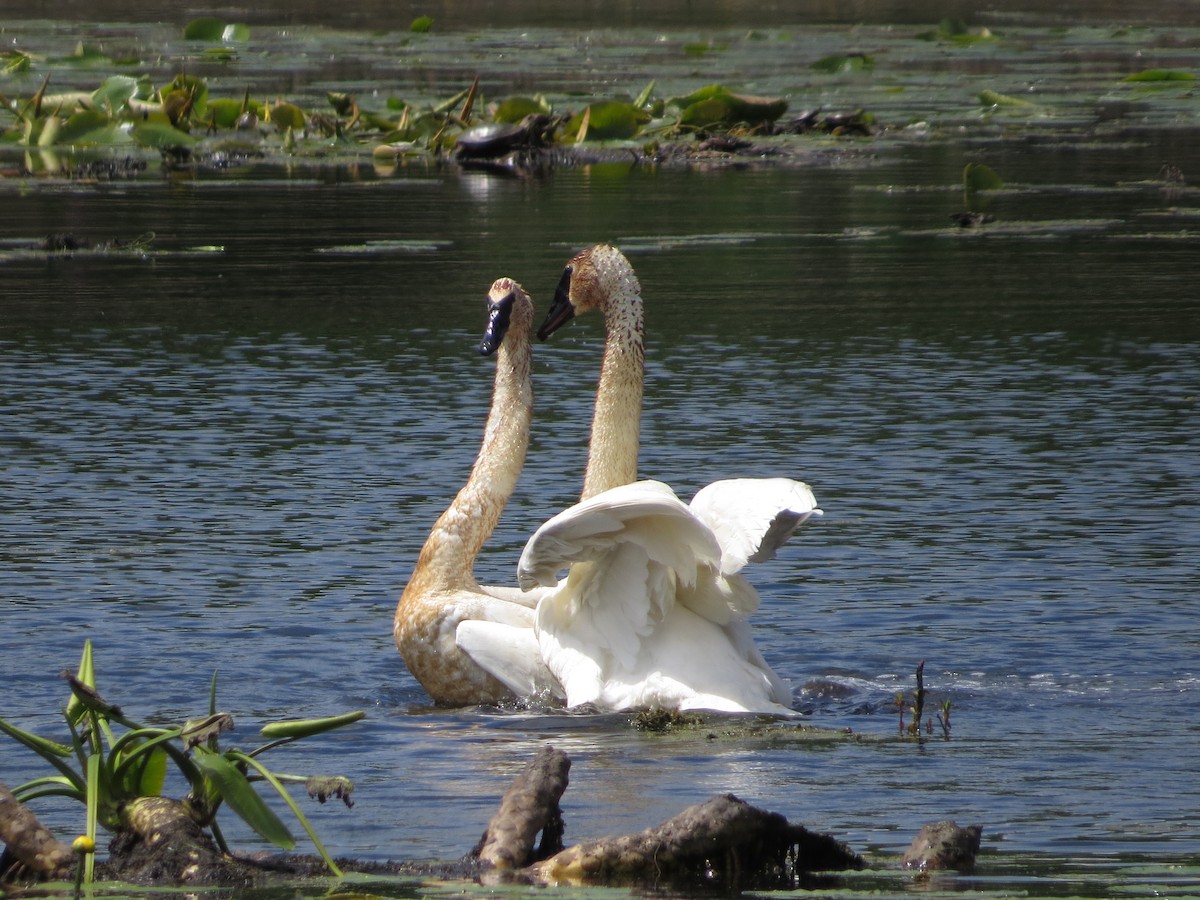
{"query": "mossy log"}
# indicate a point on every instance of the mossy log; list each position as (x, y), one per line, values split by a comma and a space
(162, 844)
(28, 844)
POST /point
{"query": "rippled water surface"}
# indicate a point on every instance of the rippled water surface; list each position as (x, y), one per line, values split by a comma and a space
(225, 456)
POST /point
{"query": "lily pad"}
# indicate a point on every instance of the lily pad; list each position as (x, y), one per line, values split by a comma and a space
(838, 64)
(714, 105)
(605, 121)
(160, 135)
(1160, 75)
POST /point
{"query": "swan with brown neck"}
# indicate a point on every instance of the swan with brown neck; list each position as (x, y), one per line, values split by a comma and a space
(443, 596)
(653, 611)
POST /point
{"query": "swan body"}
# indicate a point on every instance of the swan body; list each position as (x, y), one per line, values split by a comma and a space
(653, 611)
(443, 598)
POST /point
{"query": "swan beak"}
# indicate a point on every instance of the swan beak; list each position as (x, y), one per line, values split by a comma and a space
(499, 315)
(562, 310)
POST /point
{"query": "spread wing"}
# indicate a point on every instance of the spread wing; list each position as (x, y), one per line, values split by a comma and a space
(643, 616)
(753, 517)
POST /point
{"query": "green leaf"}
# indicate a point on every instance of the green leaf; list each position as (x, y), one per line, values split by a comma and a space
(160, 135)
(83, 130)
(237, 32)
(115, 92)
(301, 728)
(514, 109)
(224, 111)
(608, 120)
(235, 789)
(86, 675)
(995, 98)
(977, 178)
(286, 115)
(206, 28)
(842, 63)
(1160, 75)
(43, 747)
(421, 25)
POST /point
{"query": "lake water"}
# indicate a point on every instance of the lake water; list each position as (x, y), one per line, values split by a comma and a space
(224, 454)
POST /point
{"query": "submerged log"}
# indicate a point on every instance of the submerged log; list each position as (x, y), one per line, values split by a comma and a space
(529, 805)
(28, 843)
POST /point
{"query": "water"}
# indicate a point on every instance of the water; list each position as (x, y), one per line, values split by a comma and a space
(228, 461)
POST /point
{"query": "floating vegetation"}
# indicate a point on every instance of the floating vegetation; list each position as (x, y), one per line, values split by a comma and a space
(396, 246)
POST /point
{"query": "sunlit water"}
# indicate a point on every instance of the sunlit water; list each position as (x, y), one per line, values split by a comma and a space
(224, 456)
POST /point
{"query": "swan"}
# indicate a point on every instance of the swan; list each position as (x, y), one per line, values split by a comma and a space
(442, 597)
(653, 611)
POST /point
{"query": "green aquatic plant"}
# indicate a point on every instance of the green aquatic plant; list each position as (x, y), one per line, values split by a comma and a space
(978, 181)
(211, 29)
(113, 772)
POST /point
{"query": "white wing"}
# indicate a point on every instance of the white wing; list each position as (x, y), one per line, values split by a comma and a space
(753, 517)
(644, 617)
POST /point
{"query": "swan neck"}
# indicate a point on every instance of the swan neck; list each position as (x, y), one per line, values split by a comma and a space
(448, 557)
(616, 424)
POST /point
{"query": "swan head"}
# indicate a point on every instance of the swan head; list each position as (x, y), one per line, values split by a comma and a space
(597, 278)
(506, 300)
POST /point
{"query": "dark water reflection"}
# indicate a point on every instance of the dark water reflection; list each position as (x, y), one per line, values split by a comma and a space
(228, 460)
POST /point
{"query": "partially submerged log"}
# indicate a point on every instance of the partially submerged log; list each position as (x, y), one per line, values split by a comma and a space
(529, 806)
(162, 844)
(723, 840)
(28, 843)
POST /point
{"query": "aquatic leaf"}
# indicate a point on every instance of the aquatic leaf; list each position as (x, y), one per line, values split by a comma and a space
(643, 99)
(956, 32)
(206, 28)
(237, 792)
(514, 109)
(978, 177)
(299, 728)
(86, 53)
(90, 127)
(994, 98)
(224, 112)
(116, 91)
(185, 96)
(160, 135)
(421, 25)
(1160, 75)
(606, 120)
(286, 115)
(842, 63)
(236, 32)
(714, 105)
(15, 62)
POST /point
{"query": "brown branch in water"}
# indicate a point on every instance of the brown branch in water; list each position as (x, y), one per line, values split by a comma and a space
(530, 805)
(28, 842)
(723, 840)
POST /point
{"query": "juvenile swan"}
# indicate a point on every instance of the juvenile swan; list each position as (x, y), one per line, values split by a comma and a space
(442, 596)
(652, 612)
